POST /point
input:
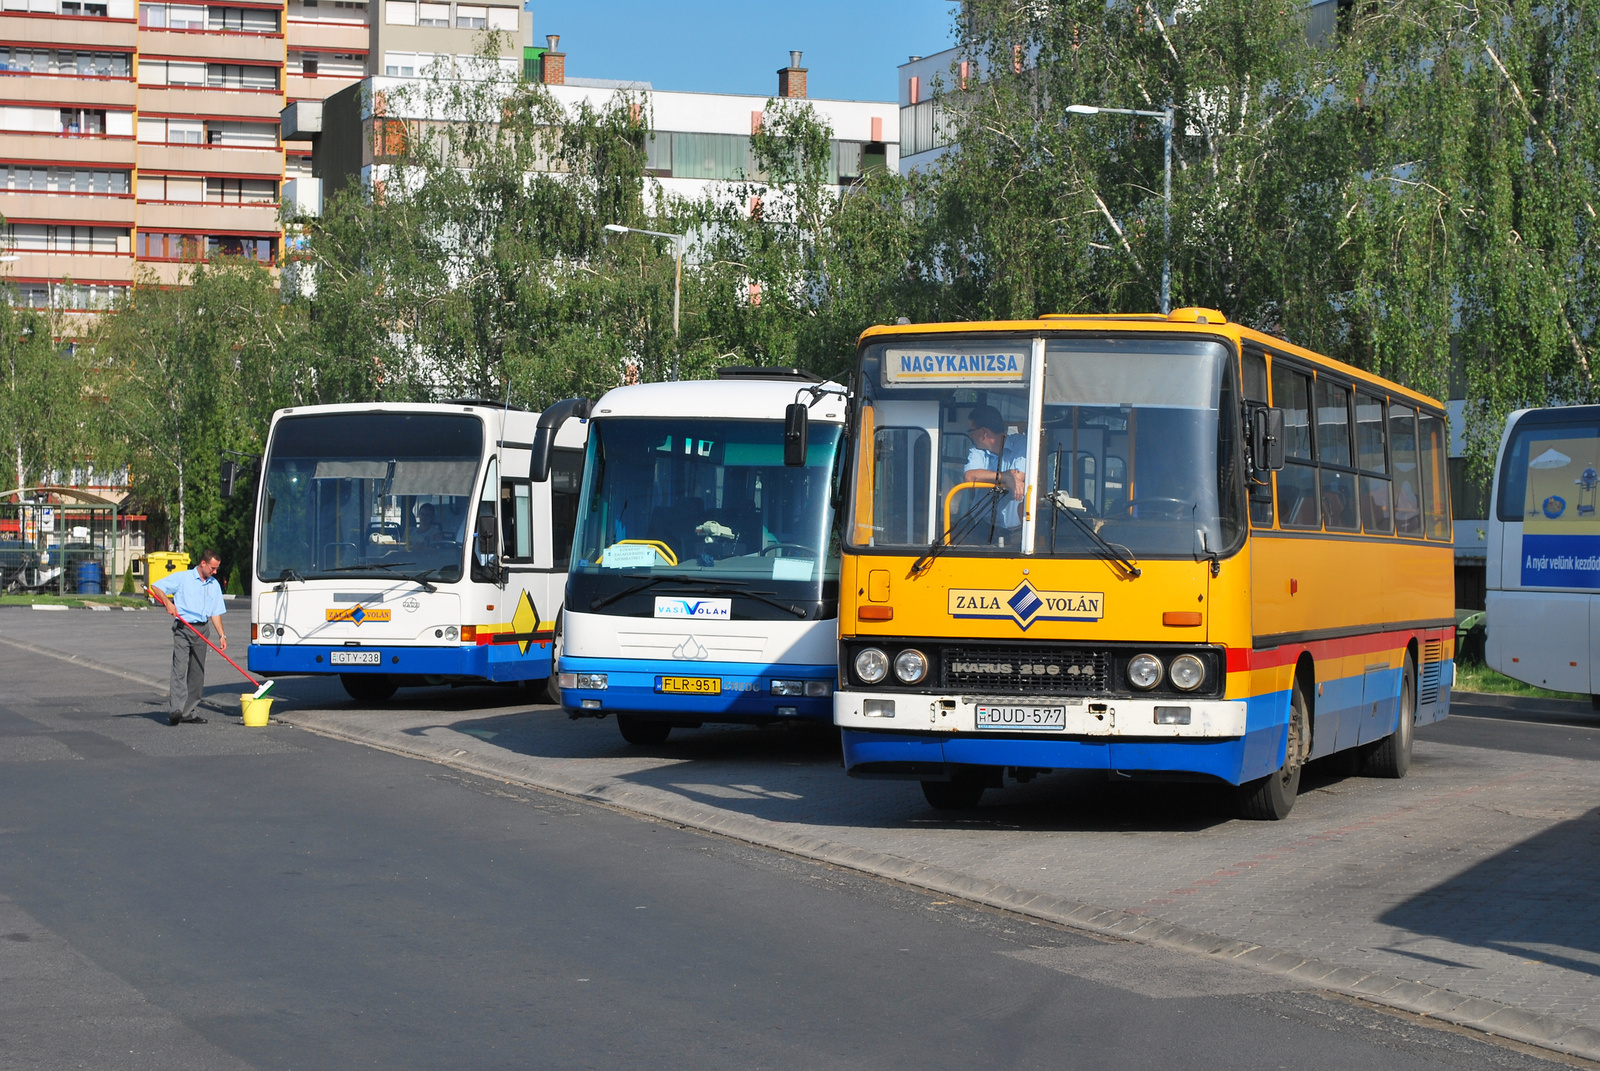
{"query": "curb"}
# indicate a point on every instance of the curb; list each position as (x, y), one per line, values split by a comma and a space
(1487, 1016)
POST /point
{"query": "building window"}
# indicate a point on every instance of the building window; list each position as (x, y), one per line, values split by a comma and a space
(232, 191)
(308, 67)
(240, 135)
(172, 16)
(63, 180)
(74, 296)
(83, 121)
(471, 18)
(433, 15)
(242, 20)
(241, 76)
(155, 245)
(400, 12)
(65, 62)
(54, 238)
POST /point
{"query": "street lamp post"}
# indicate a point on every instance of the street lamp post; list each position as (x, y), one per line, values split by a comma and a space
(1165, 116)
(677, 279)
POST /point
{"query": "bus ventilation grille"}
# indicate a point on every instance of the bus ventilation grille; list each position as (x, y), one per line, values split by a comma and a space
(1025, 670)
(1432, 671)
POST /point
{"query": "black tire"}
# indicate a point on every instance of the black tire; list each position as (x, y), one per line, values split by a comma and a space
(1391, 756)
(960, 793)
(643, 732)
(368, 687)
(1271, 798)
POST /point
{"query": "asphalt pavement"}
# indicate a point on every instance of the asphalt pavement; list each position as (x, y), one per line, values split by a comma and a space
(215, 896)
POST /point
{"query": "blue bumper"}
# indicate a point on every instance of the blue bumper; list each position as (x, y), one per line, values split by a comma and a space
(929, 756)
(495, 662)
(632, 688)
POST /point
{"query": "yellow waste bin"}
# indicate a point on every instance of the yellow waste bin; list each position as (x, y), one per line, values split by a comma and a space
(161, 564)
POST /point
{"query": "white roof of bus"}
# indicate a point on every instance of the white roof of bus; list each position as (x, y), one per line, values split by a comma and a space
(747, 398)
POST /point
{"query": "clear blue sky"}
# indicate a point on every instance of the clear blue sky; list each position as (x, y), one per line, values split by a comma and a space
(851, 47)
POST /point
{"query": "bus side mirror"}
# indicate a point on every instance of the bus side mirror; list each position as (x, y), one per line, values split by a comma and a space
(1266, 440)
(796, 432)
(544, 434)
(230, 473)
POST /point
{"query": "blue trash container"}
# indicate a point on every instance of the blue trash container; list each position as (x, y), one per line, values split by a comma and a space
(91, 578)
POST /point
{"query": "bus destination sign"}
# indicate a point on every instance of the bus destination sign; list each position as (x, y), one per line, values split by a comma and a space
(907, 365)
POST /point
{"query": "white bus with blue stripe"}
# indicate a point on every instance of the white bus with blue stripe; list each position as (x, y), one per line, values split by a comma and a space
(705, 573)
(403, 544)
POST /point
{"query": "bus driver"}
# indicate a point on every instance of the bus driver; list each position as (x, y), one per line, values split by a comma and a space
(1000, 459)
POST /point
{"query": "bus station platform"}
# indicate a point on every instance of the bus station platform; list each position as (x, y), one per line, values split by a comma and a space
(1464, 892)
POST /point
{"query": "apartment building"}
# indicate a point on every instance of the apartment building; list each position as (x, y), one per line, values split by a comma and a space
(700, 139)
(147, 135)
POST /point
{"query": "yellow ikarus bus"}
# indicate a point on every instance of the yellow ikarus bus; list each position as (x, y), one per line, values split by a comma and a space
(1165, 547)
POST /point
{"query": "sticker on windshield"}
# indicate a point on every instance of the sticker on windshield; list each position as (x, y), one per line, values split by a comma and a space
(1026, 604)
(792, 568)
(905, 365)
(630, 556)
(668, 606)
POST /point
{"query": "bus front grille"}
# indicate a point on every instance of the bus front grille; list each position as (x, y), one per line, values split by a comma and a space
(1025, 670)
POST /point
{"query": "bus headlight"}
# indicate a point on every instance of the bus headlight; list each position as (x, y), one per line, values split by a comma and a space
(450, 634)
(1144, 671)
(910, 666)
(872, 665)
(1187, 672)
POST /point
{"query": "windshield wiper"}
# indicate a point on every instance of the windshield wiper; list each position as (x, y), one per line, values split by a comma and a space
(286, 576)
(956, 529)
(726, 588)
(419, 578)
(634, 589)
(1065, 503)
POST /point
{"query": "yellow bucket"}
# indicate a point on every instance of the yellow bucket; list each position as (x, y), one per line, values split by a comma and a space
(255, 710)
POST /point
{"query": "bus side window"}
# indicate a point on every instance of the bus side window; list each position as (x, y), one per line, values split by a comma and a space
(1297, 483)
(1377, 508)
(1253, 376)
(1339, 510)
(566, 479)
(1407, 475)
(516, 519)
(1435, 486)
(485, 556)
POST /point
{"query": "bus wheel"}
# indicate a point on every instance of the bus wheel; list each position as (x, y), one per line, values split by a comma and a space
(368, 687)
(1391, 756)
(645, 732)
(960, 793)
(1272, 797)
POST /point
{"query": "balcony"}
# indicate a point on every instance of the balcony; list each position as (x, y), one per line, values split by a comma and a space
(105, 34)
(329, 36)
(103, 211)
(210, 218)
(84, 267)
(224, 47)
(211, 159)
(66, 89)
(321, 87)
(221, 103)
(54, 148)
(173, 272)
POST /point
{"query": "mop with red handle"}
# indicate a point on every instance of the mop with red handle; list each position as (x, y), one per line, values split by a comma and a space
(262, 687)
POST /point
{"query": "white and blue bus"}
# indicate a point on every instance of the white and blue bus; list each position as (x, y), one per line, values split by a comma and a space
(414, 544)
(705, 570)
(1543, 575)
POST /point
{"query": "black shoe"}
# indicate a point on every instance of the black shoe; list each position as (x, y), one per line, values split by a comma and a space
(194, 719)
(174, 718)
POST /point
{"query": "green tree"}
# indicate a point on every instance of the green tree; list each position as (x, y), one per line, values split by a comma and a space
(42, 396)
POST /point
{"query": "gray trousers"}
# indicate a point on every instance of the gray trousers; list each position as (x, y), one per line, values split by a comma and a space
(188, 667)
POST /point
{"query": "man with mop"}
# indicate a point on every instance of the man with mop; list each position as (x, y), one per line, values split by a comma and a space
(194, 598)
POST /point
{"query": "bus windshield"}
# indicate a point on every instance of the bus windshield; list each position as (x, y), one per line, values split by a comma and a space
(369, 495)
(1124, 442)
(676, 500)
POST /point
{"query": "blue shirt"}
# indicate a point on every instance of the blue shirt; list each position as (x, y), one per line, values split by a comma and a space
(197, 600)
(1012, 457)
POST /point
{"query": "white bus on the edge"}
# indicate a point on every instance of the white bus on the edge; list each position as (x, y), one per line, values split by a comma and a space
(414, 544)
(1543, 596)
(705, 572)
